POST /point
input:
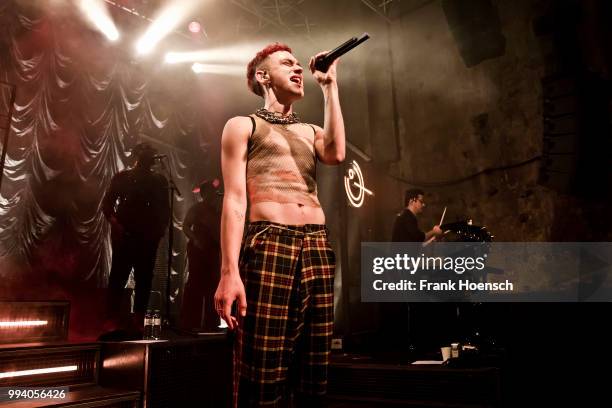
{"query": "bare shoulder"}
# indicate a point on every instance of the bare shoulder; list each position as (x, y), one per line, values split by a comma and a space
(312, 128)
(236, 135)
(317, 128)
(318, 131)
(239, 126)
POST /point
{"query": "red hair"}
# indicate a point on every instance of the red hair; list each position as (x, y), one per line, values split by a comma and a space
(259, 58)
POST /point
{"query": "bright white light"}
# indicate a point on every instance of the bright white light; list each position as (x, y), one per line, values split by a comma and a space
(98, 15)
(176, 57)
(222, 69)
(38, 371)
(237, 54)
(195, 27)
(197, 68)
(168, 19)
(23, 323)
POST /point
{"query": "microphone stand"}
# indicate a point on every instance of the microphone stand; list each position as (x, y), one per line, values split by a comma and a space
(172, 189)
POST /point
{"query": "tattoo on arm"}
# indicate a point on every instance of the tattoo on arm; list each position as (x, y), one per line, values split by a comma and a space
(239, 215)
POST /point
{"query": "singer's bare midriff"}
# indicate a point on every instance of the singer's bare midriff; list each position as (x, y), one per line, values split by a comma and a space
(284, 213)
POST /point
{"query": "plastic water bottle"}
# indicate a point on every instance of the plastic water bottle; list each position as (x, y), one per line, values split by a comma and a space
(147, 333)
(156, 326)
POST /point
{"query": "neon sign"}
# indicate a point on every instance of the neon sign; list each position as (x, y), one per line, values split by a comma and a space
(354, 185)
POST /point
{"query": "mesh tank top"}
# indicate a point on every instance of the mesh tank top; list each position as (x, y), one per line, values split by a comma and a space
(281, 164)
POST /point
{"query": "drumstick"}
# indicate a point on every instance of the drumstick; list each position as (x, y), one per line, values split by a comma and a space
(429, 241)
(443, 214)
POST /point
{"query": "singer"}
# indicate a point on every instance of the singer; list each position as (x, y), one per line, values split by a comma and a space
(282, 279)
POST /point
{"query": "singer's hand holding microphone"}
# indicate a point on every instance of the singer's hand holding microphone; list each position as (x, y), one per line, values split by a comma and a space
(323, 78)
(323, 65)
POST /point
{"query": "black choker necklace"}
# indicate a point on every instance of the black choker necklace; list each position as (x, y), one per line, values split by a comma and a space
(277, 118)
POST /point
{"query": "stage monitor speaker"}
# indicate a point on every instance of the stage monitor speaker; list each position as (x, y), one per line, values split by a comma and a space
(188, 372)
(476, 28)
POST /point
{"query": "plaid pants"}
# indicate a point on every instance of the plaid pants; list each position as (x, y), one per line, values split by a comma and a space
(283, 342)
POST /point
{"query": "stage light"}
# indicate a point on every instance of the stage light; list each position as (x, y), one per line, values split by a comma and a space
(198, 68)
(235, 54)
(195, 27)
(38, 371)
(33, 321)
(221, 69)
(167, 20)
(22, 323)
(176, 57)
(99, 17)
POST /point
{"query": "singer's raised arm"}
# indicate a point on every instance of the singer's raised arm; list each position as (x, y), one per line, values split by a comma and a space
(330, 143)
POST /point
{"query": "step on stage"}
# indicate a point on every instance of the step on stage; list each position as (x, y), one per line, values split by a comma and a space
(193, 370)
(74, 367)
(181, 372)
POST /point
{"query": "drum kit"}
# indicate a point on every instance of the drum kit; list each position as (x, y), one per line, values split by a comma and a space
(476, 240)
(465, 231)
(471, 315)
(462, 231)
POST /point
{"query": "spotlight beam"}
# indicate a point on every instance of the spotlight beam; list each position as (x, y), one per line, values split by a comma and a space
(99, 17)
(166, 21)
(141, 16)
(219, 69)
(235, 54)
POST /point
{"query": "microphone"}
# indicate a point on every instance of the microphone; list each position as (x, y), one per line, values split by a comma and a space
(159, 156)
(323, 62)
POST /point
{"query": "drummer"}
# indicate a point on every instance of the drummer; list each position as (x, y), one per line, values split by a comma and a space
(406, 226)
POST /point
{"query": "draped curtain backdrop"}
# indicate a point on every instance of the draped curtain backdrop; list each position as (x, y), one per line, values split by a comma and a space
(82, 104)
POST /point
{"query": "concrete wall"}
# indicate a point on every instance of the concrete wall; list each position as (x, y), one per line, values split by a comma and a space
(455, 121)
